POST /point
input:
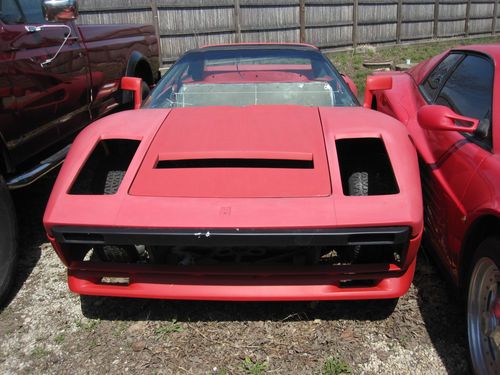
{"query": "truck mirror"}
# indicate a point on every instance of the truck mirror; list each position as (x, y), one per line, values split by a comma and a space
(133, 84)
(60, 10)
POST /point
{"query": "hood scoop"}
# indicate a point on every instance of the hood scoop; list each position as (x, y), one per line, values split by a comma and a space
(239, 152)
(285, 160)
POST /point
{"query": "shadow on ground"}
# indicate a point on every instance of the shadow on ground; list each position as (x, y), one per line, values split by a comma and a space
(443, 313)
(30, 205)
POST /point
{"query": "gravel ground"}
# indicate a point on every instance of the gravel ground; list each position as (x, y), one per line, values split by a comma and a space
(43, 329)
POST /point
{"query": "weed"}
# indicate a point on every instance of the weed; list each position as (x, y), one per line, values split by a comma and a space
(40, 352)
(59, 339)
(335, 366)
(171, 327)
(254, 367)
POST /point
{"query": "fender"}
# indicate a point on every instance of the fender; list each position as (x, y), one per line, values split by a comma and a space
(134, 60)
(5, 163)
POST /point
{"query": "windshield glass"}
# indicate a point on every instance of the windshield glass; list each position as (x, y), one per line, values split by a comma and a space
(253, 76)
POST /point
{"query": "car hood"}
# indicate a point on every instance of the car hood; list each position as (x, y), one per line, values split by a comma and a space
(255, 151)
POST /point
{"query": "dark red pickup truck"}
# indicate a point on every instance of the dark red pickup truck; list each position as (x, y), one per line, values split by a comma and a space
(56, 77)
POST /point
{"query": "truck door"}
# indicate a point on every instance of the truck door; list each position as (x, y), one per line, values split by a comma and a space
(41, 102)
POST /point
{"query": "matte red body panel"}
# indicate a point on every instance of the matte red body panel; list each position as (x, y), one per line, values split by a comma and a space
(461, 178)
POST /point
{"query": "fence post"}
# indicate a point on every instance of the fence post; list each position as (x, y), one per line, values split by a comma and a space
(355, 10)
(436, 19)
(302, 20)
(156, 24)
(400, 20)
(467, 17)
(494, 20)
(237, 21)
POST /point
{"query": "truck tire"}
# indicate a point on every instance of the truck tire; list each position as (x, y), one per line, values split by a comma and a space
(8, 243)
(358, 184)
(109, 253)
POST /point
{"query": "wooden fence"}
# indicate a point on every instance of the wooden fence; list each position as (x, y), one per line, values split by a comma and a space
(185, 24)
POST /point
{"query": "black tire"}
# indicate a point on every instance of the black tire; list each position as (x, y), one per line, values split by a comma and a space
(8, 242)
(483, 290)
(116, 254)
(358, 184)
(113, 181)
(145, 90)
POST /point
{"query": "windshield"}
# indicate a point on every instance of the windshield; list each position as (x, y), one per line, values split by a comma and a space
(253, 76)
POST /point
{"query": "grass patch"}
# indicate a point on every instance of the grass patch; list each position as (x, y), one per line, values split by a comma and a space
(335, 366)
(40, 352)
(59, 339)
(351, 63)
(89, 325)
(254, 367)
(171, 327)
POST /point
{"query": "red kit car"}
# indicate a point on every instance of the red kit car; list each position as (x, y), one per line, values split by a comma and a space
(250, 173)
(450, 105)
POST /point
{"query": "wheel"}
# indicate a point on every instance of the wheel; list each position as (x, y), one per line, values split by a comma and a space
(113, 181)
(116, 254)
(483, 308)
(145, 90)
(8, 251)
(358, 184)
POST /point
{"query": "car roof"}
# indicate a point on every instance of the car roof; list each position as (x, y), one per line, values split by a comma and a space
(492, 50)
(262, 46)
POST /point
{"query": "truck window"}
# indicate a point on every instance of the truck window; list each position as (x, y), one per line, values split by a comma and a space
(21, 11)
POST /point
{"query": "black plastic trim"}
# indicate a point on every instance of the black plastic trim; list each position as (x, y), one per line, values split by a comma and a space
(232, 237)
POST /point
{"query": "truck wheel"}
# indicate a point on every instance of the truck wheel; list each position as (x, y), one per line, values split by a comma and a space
(483, 308)
(8, 251)
(145, 90)
(358, 184)
(116, 254)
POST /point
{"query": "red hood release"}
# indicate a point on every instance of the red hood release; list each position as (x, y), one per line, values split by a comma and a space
(256, 151)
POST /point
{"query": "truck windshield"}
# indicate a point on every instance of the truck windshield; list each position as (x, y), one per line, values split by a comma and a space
(253, 76)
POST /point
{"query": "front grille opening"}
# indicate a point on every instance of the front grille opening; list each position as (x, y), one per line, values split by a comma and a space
(105, 168)
(235, 163)
(183, 256)
(365, 167)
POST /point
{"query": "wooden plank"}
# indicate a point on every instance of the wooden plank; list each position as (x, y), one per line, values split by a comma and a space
(436, 19)
(237, 21)
(156, 23)
(467, 18)
(494, 20)
(400, 19)
(302, 20)
(355, 16)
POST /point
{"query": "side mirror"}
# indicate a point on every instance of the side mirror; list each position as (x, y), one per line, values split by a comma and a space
(133, 84)
(439, 117)
(375, 83)
(350, 83)
(60, 10)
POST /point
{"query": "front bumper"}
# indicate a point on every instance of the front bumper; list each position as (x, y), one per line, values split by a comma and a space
(240, 282)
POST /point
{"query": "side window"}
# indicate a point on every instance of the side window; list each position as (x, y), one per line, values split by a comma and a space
(10, 12)
(21, 11)
(468, 91)
(434, 81)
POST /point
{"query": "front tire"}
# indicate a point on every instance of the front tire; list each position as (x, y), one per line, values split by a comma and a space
(483, 308)
(8, 251)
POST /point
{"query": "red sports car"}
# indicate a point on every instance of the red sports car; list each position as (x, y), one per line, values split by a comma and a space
(250, 173)
(450, 105)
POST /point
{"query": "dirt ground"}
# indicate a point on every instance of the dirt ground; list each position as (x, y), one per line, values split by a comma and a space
(43, 329)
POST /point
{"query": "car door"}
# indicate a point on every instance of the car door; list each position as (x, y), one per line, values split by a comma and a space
(41, 102)
(463, 81)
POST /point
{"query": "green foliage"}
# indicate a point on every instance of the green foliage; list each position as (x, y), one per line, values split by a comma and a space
(335, 366)
(254, 367)
(168, 328)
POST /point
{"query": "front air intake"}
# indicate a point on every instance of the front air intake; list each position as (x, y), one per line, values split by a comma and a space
(105, 168)
(236, 163)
